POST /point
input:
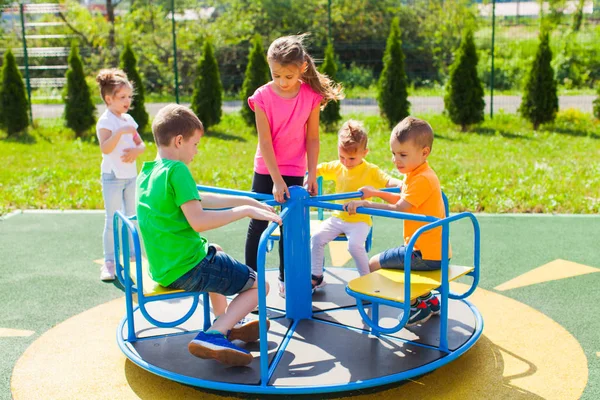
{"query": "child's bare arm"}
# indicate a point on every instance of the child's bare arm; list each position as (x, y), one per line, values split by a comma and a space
(401, 205)
(130, 154)
(265, 143)
(312, 149)
(393, 182)
(109, 140)
(202, 220)
(370, 191)
(212, 200)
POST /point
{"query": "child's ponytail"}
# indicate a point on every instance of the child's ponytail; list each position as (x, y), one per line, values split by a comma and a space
(321, 83)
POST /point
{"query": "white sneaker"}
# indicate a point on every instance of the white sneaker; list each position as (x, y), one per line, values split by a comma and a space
(281, 288)
(107, 271)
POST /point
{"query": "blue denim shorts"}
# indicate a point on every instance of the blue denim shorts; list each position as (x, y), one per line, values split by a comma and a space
(394, 259)
(218, 272)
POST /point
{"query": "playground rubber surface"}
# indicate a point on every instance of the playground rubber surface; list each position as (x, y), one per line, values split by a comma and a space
(538, 296)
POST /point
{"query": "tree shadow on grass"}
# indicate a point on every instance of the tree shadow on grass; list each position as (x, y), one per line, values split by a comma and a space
(215, 133)
(577, 132)
(22, 137)
(447, 138)
(493, 132)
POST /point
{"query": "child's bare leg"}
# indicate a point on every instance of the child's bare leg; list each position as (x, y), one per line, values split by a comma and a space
(238, 309)
(219, 303)
(374, 264)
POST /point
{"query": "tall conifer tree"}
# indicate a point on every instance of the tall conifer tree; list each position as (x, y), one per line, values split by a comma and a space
(79, 109)
(207, 98)
(13, 100)
(393, 93)
(138, 109)
(257, 74)
(331, 114)
(464, 97)
(540, 100)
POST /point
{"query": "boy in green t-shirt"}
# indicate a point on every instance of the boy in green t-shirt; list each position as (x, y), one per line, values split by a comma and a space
(171, 213)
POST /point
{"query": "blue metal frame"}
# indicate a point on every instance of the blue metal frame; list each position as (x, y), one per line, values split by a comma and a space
(295, 213)
(123, 273)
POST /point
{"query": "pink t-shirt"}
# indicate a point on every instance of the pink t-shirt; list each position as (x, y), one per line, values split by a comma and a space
(287, 120)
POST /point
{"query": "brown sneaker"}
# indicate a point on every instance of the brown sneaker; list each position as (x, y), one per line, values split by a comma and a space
(246, 330)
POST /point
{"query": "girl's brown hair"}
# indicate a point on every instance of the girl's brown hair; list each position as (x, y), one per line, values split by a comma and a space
(111, 80)
(288, 50)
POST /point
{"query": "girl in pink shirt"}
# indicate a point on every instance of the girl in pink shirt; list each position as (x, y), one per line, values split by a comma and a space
(287, 120)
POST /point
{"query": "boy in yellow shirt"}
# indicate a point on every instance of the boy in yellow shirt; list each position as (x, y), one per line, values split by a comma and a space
(350, 172)
(411, 142)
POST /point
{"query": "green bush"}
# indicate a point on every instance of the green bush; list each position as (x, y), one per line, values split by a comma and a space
(355, 76)
(392, 95)
(79, 109)
(138, 110)
(257, 74)
(13, 101)
(464, 93)
(540, 100)
(207, 98)
(508, 71)
(331, 114)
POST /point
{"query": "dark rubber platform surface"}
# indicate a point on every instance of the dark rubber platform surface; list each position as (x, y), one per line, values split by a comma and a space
(332, 349)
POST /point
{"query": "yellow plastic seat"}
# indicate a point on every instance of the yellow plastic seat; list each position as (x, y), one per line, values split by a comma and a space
(389, 283)
(151, 288)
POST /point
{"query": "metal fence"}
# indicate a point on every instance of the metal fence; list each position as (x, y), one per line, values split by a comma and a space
(506, 39)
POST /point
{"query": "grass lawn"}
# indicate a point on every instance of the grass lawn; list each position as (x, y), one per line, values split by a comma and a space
(500, 166)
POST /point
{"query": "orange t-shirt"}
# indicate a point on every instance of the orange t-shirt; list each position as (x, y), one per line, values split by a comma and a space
(421, 189)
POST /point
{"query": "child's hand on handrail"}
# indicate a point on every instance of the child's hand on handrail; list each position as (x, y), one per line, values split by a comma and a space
(262, 214)
(367, 191)
(265, 207)
(311, 185)
(351, 206)
(280, 191)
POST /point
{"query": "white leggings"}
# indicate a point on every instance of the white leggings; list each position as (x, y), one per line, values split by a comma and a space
(356, 232)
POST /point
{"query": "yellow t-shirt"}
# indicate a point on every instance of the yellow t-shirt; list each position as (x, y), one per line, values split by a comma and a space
(350, 180)
(421, 189)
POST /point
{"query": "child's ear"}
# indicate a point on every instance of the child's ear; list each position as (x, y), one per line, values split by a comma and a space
(178, 140)
(426, 151)
(304, 67)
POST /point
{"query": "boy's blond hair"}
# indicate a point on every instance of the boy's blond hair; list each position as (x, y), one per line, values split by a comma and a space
(352, 136)
(173, 120)
(415, 129)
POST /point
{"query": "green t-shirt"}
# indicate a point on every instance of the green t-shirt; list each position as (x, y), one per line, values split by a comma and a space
(173, 247)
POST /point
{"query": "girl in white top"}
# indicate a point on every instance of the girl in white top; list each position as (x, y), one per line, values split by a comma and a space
(121, 145)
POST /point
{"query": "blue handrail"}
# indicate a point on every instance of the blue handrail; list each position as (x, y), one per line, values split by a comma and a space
(262, 295)
(373, 211)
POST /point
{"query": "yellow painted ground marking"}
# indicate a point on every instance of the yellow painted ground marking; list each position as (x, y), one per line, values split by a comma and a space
(339, 253)
(7, 332)
(554, 270)
(512, 360)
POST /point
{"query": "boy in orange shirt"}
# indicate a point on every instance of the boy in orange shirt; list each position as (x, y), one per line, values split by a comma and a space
(411, 142)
